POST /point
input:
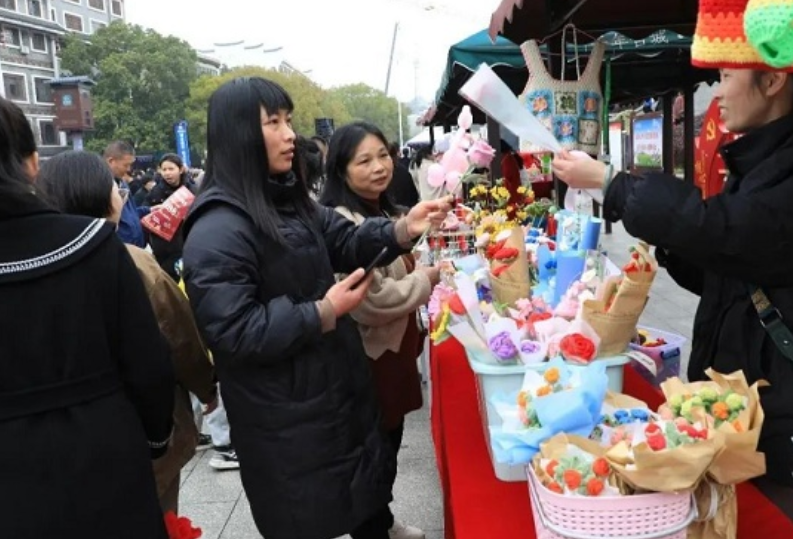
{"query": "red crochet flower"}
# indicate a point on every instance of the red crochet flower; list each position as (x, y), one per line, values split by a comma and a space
(456, 305)
(577, 347)
(180, 527)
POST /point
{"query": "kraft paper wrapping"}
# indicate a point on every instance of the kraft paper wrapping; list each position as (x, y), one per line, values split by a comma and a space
(718, 512)
(513, 284)
(615, 330)
(557, 448)
(670, 470)
(620, 303)
(620, 401)
(739, 461)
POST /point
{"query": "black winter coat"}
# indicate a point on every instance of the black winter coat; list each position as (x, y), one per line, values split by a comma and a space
(85, 379)
(301, 404)
(167, 253)
(714, 248)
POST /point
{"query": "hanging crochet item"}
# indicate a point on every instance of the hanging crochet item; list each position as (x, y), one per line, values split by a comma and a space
(769, 28)
(720, 40)
(570, 109)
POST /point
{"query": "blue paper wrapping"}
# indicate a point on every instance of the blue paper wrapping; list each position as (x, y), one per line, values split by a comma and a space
(576, 411)
(569, 268)
(591, 237)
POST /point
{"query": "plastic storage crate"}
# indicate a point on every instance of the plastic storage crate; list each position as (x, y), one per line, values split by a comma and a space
(666, 357)
(493, 379)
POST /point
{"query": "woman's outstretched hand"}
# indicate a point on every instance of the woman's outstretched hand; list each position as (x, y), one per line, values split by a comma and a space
(428, 214)
(579, 170)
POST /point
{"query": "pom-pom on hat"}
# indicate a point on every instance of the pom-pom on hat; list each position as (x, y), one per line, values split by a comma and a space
(720, 40)
(768, 25)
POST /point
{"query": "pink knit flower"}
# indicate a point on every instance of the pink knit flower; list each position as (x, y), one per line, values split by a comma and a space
(481, 154)
(440, 297)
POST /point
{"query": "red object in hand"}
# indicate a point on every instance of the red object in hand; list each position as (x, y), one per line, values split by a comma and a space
(576, 346)
(165, 220)
(180, 527)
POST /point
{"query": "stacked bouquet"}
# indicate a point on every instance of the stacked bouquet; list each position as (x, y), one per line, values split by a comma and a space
(563, 398)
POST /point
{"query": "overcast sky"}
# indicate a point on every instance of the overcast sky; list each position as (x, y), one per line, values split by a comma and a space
(340, 41)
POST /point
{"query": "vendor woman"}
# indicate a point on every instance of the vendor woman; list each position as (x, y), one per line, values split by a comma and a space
(734, 247)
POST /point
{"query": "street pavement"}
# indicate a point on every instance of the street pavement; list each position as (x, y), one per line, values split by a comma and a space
(215, 501)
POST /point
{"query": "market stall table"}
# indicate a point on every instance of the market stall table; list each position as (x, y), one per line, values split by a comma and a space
(479, 506)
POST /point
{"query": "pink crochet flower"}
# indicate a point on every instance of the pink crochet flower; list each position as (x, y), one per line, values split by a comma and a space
(480, 154)
(440, 297)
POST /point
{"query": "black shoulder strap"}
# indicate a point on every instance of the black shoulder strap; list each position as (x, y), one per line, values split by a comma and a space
(771, 320)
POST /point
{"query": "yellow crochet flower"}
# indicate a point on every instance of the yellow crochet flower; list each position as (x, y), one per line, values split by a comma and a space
(443, 324)
(522, 190)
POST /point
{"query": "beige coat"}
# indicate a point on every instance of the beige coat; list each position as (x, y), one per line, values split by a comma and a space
(394, 293)
(193, 368)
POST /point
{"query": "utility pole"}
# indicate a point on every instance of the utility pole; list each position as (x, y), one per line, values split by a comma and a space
(391, 57)
(388, 83)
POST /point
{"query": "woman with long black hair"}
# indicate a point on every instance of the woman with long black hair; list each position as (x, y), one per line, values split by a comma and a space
(260, 257)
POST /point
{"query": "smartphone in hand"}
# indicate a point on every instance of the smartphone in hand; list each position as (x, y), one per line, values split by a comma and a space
(374, 263)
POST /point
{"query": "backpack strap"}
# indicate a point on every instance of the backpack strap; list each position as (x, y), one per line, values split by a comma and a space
(772, 321)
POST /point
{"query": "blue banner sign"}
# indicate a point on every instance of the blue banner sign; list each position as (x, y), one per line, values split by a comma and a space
(182, 142)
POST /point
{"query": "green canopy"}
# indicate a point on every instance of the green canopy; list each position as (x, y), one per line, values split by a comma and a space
(477, 49)
(642, 67)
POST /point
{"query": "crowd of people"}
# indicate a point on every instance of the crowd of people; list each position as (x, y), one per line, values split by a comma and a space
(257, 312)
(258, 315)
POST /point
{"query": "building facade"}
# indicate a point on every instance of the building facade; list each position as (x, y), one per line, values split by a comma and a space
(30, 31)
(207, 65)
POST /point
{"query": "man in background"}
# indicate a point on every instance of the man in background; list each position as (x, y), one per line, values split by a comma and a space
(120, 156)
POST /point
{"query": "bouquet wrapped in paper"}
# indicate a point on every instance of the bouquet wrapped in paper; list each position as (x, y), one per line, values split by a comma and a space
(509, 268)
(455, 311)
(622, 417)
(620, 302)
(665, 456)
(575, 466)
(575, 341)
(731, 410)
(561, 399)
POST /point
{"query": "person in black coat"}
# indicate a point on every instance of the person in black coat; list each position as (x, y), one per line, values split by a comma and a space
(259, 259)
(173, 175)
(85, 377)
(727, 247)
(402, 190)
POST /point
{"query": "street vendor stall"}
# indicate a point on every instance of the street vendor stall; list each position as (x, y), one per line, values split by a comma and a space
(479, 506)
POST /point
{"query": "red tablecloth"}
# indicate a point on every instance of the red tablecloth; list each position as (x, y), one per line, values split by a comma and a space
(479, 506)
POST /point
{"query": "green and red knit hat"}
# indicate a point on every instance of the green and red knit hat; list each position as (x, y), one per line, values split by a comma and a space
(741, 34)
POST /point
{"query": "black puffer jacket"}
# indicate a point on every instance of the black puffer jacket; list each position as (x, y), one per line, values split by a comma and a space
(714, 248)
(301, 404)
